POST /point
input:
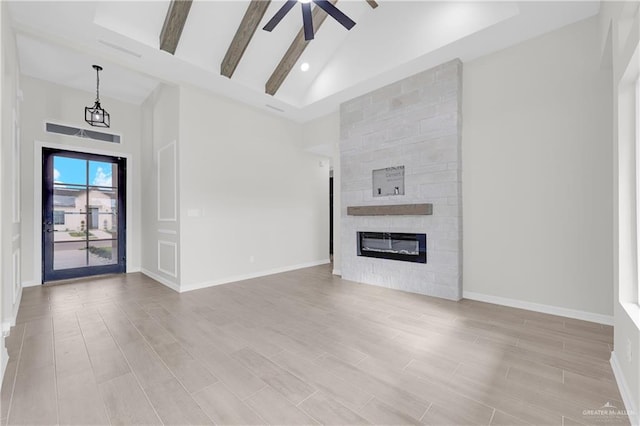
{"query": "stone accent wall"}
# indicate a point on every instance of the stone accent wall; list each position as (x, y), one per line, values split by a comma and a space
(416, 123)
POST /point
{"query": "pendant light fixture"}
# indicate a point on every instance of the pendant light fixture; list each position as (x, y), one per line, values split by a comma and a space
(96, 115)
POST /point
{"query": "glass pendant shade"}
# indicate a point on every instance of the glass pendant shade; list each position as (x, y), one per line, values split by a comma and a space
(96, 115)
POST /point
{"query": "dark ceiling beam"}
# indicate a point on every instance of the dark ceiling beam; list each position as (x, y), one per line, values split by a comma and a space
(173, 25)
(244, 33)
(294, 52)
(372, 3)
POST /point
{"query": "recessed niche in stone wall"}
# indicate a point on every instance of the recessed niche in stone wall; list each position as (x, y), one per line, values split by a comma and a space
(415, 122)
(388, 181)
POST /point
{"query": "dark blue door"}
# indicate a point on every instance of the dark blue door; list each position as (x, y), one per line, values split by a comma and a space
(83, 214)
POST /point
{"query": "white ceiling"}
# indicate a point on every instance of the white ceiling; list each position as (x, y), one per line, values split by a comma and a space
(58, 41)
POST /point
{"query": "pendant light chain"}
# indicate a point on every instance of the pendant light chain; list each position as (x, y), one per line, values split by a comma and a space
(97, 84)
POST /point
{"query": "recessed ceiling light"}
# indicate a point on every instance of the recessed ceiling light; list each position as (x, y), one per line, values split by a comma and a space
(304, 67)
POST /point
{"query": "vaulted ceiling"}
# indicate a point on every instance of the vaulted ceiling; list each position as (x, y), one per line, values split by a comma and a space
(220, 45)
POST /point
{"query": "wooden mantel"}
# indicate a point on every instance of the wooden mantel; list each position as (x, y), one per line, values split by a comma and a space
(391, 210)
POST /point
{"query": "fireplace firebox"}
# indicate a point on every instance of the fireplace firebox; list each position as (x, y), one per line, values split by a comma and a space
(393, 246)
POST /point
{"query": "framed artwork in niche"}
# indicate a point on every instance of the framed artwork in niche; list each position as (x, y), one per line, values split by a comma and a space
(389, 181)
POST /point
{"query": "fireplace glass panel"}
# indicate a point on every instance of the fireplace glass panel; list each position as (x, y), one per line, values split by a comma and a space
(390, 246)
(394, 246)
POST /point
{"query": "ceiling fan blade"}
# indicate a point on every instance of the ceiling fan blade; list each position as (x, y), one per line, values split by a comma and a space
(279, 15)
(346, 22)
(307, 21)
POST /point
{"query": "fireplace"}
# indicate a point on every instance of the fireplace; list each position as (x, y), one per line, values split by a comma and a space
(393, 246)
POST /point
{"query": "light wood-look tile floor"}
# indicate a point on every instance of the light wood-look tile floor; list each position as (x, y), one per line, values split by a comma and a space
(303, 347)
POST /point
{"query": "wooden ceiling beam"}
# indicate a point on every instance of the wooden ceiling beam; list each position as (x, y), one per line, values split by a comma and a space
(252, 17)
(173, 24)
(294, 52)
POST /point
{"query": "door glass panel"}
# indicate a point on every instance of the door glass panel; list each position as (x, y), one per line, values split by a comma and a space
(69, 254)
(103, 252)
(103, 206)
(103, 174)
(69, 224)
(69, 217)
(69, 170)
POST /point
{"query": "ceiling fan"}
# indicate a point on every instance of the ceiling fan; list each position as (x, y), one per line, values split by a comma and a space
(307, 20)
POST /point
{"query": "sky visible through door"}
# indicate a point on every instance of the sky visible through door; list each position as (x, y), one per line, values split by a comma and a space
(73, 171)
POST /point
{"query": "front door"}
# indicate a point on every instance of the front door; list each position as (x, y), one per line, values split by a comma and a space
(83, 214)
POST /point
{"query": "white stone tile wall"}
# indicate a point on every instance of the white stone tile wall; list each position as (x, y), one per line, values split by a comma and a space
(416, 123)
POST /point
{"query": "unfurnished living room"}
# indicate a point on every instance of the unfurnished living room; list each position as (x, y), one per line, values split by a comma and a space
(297, 212)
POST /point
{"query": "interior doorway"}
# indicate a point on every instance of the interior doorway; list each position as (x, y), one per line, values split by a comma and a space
(83, 214)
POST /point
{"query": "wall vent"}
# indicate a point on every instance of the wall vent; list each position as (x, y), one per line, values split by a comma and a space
(82, 133)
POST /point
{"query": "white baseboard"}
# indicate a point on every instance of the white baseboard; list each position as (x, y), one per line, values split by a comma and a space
(537, 307)
(11, 321)
(627, 398)
(337, 272)
(5, 360)
(132, 270)
(5, 330)
(6, 327)
(173, 286)
(30, 284)
(243, 277)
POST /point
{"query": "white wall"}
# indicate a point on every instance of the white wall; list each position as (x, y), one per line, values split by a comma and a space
(44, 101)
(252, 201)
(160, 204)
(620, 41)
(537, 175)
(10, 240)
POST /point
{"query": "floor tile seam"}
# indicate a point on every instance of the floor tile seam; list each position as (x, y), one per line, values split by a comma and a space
(55, 371)
(453, 391)
(15, 376)
(517, 415)
(404, 369)
(249, 407)
(303, 400)
(93, 371)
(284, 368)
(421, 419)
(559, 355)
(133, 373)
(563, 381)
(455, 370)
(266, 385)
(492, 416)
(367, 356)
(572, 334)
(588, 357)
(572, 337)
(567, 400)
(314, 384)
